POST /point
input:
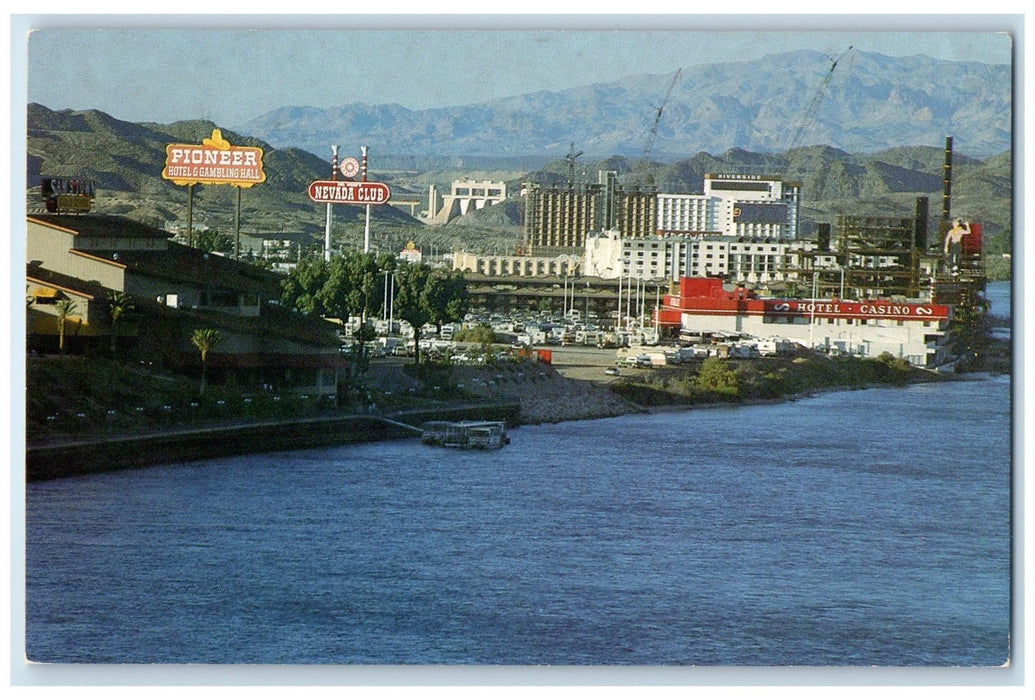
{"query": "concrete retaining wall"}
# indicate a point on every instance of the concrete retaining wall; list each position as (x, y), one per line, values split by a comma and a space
(93, 456)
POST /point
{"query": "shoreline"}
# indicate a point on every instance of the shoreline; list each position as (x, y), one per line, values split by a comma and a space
(72, 457)
(526, 393)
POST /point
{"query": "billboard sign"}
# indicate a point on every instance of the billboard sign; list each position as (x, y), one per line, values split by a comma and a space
(67, 194)
(858, 310)
(335, 192)
(213, 162)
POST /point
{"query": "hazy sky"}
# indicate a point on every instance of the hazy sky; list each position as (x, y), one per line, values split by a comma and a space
(166, 68)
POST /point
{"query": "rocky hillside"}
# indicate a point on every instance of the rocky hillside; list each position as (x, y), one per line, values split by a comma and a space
(126, 161)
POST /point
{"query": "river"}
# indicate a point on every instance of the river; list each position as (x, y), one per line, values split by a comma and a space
(999, 296)
(852, 528)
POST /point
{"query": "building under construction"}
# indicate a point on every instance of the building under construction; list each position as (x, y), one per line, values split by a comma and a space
(880, 256)
(559, 218)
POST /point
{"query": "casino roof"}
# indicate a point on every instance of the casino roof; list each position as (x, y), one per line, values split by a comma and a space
(101, 226)
(180, 263)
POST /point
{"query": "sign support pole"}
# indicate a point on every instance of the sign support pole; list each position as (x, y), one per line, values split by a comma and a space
(190, 215)
(366, 229)
(237, 227)
(327, 230)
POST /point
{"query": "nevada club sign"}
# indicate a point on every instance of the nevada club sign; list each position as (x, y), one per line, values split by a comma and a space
(345, 192)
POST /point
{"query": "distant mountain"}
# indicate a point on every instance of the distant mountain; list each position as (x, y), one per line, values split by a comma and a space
(835, 182)
(126, 160)
(872, 102)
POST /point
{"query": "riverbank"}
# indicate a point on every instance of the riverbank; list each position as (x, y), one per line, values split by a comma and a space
(517, 392)
(71, 457)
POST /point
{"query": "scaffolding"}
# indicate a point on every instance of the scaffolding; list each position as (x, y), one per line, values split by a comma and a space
(879, 256)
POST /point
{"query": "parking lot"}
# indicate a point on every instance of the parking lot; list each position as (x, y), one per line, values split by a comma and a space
(588, 363)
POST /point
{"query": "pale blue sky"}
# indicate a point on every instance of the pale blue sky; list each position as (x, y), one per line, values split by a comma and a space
(166, 68)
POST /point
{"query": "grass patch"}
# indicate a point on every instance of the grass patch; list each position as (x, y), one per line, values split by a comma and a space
(724, 381)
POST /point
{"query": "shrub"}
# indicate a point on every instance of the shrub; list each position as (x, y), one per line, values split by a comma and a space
(481, 333)
(717, 377)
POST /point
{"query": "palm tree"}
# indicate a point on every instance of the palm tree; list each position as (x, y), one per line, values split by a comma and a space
(204, 339)
(119, 303)
(64, 307)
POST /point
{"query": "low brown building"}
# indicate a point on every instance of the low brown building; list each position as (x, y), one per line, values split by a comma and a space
(174, 289)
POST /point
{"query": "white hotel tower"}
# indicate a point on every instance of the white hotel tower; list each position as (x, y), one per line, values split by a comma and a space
(754, 206)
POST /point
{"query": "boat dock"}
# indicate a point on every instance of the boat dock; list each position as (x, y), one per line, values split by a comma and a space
(477, 435)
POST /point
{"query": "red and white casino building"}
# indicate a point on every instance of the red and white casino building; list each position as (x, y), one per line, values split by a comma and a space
(911, 330)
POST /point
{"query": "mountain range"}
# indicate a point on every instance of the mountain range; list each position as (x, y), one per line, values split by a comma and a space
(882, 123)
(866, 103)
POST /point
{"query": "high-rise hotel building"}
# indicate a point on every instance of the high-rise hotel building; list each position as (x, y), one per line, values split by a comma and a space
(559, 218)
(752, 206)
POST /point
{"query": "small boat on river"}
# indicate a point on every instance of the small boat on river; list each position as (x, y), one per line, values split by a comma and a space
(470, 435)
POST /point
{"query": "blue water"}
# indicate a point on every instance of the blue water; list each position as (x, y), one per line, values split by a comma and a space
(857, 528)
(999, 297)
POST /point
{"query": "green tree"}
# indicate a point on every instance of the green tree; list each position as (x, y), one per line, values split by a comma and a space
(346, 287)
(351, 291)
(65, 308)
(212, 241)
(970, 329)
(448, 298)
(411, 300)
(303, 288)
(119, 304)
(204, 340)
(482, 334)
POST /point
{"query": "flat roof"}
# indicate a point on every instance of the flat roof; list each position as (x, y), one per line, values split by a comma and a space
(100, 226)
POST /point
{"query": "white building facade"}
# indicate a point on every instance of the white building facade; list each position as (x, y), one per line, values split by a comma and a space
(516, 265)
(690, 213)
(756, 206)
(756, 261)
(465, 196)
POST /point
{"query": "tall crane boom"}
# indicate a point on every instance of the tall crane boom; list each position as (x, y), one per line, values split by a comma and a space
(570, 157)
(653, 133)
(817, 99)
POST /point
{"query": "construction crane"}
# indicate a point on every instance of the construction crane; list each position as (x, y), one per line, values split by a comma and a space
(817, 99)
(570, 157)
(653, 133)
